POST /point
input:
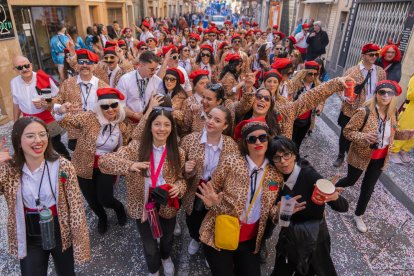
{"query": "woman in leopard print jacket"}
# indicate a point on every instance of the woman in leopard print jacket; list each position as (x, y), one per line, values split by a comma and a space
(35, 178)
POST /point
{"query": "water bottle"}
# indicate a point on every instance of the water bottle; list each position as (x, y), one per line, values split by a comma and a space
(153, 220)
(286, 210)
(47, 229)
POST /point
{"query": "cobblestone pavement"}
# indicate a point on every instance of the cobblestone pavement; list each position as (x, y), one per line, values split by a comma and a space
(386, 249)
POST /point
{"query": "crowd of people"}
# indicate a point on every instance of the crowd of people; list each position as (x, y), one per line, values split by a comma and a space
(204, 121)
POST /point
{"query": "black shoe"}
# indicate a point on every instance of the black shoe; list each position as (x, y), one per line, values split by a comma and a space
(122, 216)
(263, 253)
(102, 226)
(338, 162)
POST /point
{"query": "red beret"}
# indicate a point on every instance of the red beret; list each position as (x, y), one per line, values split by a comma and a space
(227, 22)
(145, 23)
(255, 24)
(153, 38)
(140, 44)
(231, 57)
(223, 44)
(174, 29)
(86, 54)
(240, 23)
(198, 73)
(280, 34)
(125, 29)
(195, 36)
(109, 51)
(281, 63)
(236, 36)
(257, 31)
(211, 30)
(200, 30)
(246, 124)
(167, 48)
(305, 26)
(207, 47)
(389, 84)
(110, 44)
(312, 65)
(121, 42)
(275, 27)
(250, 32)
(370, 47)
(293, 39)
(109, 93)
(177, 73)
(273, 73)
(247, 23)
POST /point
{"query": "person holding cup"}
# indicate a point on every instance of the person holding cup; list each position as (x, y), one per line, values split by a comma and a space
(304, 256)
(371, 131)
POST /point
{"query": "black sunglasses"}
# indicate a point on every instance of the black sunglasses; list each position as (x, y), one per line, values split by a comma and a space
(144, 48)
(161, 108)
(384, 92)
(20, 67)
(236, 41)
(174, 57)
(205, 55)
(226, 48)
(87, 62)
(310, 74)
(373, 54)
(107, 106)
(265, 98)
(252, 139)
(170, 79)
(280, 49)
(214, 86)
(285, 156)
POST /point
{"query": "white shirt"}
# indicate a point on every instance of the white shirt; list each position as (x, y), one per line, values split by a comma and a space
(109, 139)
(194, 51)
(128, 86)
(293, 177)
(211, 155)
(24, 93)
(186, 64)
(145, 35)
(198, 98)
(254, 214)
(301, 40)
(187, 85)
(88, 94)
(31, 182)
(372, 82)
(283, 90)
(206, 67)
(104, 39)
(214, 45)
(157, 153)
(113, 75)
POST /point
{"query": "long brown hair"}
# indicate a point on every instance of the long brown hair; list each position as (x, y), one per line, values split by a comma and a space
(146, 145)
(229, 121)
(19, 126)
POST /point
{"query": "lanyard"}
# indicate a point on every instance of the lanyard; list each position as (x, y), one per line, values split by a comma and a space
(37, 199)
(156, 174)
(256, 194)
(381, 127)
(88, 90)
(111, 129)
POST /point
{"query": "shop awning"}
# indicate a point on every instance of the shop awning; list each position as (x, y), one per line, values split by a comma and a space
(318, 1)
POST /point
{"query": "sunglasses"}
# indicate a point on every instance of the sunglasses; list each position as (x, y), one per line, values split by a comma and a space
(212, 35)
(372, 55)
(87, 62)
(109, 57)
(20, 67)
(170, 79)
(161, 108)
(214, 86)
(205, 55)
(310, 74)
(107, 106)
(186, 50)
(150, 40)
(226, 48)
(280, 49)
(384, 92)
(285, 156)
(265, 98)
(144, 48)
(174, 57)
(193, 41)
(252, 139)
(236, 41)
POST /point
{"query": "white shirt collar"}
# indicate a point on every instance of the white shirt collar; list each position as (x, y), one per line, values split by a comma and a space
(203, 140)
(159, 149)
(198, 97)
(27, 171)
(290, 182)
(362, 67)
(94, 80)
(253, 166)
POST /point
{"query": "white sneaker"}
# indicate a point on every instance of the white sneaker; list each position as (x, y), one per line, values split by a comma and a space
(405, 157)
(193, 247)
(154, 274)
(360, 224)
(395, 158)
(177, 229)
(168, 266)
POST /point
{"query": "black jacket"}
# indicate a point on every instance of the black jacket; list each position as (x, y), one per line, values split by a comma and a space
(317, 45)
(393, 71)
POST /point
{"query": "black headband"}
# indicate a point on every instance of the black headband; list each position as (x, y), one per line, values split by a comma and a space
(386, 85)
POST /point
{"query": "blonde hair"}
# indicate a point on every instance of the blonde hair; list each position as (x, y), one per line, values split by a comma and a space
(99, 114)
(390, 111)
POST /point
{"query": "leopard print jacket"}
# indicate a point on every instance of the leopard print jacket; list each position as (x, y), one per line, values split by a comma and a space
(196, 151)
(232, 178)
(84, 155)
(71, 212)
(229, 81)
(118, 163)
(355, 73)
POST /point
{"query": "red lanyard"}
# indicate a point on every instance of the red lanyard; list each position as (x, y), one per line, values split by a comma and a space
(154, 175)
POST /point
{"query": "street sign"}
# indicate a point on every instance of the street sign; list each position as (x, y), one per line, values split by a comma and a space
(6, 25)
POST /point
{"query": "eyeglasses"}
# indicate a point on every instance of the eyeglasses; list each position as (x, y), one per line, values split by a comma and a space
(373, 54)
(82, 62)
(265, 98)
(310, 74)
(174, 57)
(20, 67)
(205, 55)
(226, 48)
(162, 108)
(150, 40)
(144, 48)
(192, 41)
(252, 139)
(44, 135)
(285, 156)
(212, 35)
(186, 50)
(384, 92)
(236, 41)
(390, 52)
(107, 106)
(170, 79)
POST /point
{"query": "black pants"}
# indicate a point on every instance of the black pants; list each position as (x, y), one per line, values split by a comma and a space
(372, 174)
(153, 255)
(239, 262)
(59, 147)
(300, 130)
(343, 142)
(194, 223)
(99, 193)
(36, 261)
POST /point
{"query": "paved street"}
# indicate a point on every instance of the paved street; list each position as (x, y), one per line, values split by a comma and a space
(386, 249)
